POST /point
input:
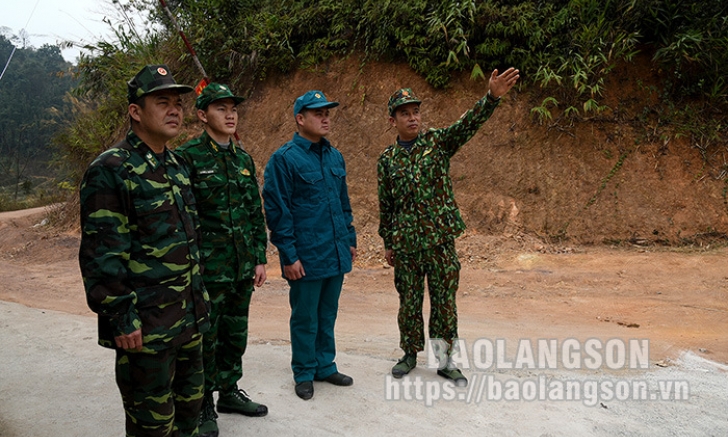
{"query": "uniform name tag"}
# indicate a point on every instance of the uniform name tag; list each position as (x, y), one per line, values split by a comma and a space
(205, 172)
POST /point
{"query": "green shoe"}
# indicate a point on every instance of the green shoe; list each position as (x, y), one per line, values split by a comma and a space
(208, 419)
(454, 374)
(404, 365)
(237, 401)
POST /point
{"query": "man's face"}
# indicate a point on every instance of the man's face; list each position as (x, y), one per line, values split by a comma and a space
(407, 121)
(160, 118)
(221, 117)
(314, 123)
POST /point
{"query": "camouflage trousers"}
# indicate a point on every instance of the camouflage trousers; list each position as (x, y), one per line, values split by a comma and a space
(225, 343)
(161, 391)
(441, 267)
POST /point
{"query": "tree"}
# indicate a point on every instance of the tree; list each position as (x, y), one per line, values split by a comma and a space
(32, 110)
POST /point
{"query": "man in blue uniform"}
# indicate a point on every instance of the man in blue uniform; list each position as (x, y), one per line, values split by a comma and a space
(309, 215)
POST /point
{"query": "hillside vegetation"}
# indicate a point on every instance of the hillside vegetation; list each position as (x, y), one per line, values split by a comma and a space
(616, 132)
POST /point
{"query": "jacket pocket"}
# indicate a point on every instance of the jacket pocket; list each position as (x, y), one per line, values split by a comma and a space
(210, 185)
(338, 172)
(154, 223)
(311, 186)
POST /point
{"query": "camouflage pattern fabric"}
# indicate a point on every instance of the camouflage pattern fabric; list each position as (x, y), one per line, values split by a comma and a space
(441, 266)
(225, 343)
(401, 97)
(170, 397)
(231, 216)
(419, 220)
(216, 91)
(153, 78)
(417, 208)
(233, 243)
(139, 253)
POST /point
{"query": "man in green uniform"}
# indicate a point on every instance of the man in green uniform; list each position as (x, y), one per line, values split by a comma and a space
(419, 219)
(233, 249)
(140, 262)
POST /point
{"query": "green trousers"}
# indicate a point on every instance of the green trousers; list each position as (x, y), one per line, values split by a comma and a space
(225, 342)
(441, 267)
(161, 391)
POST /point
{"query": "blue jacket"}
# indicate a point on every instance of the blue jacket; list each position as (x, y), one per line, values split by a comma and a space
(307, 208)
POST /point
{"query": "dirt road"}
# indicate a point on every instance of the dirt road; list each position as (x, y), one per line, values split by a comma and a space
(675, 300)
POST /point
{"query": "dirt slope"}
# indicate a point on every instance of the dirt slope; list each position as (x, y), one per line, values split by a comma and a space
(514, 178)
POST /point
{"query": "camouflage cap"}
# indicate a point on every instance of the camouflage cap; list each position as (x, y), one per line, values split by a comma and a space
(213, 92)
(153, 78)
(312, 100)
(401, 97)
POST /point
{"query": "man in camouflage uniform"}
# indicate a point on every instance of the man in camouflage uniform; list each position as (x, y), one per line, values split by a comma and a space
(233, 248)
(419, 219)
(140, 262)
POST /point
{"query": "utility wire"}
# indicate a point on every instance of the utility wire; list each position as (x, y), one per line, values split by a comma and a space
(15, 48)
(31, 14)
(7, 63)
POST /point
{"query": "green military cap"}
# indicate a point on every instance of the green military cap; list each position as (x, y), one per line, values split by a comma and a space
(215, 91)
(401, 97)
(153, 78)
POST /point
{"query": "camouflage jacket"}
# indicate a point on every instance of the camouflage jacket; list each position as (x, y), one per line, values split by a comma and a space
(231, 215)
(139, 253)
(417, 208)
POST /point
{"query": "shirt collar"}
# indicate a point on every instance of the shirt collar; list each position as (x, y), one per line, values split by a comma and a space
(214, 147)
(306, 144)
(407, 144)
(149, 155)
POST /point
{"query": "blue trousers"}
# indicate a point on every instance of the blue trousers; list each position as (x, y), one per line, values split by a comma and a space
(314, 306)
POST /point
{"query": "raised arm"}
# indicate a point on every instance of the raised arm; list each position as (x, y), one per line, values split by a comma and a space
(500, 84)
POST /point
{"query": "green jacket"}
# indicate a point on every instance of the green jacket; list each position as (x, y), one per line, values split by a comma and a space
(417, 208)
(139, 253)
(228, 200)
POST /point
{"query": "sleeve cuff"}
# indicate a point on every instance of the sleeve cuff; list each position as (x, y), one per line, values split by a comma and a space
(126, 324)
(492, 99)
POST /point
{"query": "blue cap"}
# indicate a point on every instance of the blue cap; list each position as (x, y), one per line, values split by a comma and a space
(312, 100)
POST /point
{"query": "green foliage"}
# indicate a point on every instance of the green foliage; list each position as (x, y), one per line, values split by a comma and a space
(99, 103)
(566, 47)
(542, 112)
(691, 42)
(34, 191)
(32, 110)
(574, 48)
(566, 51)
